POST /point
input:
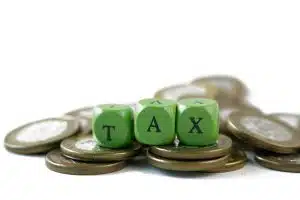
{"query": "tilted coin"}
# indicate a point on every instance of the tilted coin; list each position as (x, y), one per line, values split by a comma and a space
(40, 136)
(179, 152)
(264, 132)
(55, 161)
(279, 162)
(237, 160)
(177, 92)
(227, 108)
(227, 86)
(288, 118)
(177, 165)
(85, 148)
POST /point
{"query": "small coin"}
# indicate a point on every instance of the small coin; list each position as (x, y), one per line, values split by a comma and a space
(177, 92)
(227, 86)
(179, 152)
(279, 162)
(226, 108)
(237, 160)
(40, 136)
(264, 132)
(177, 165)
(291, 119)
(55, 161)
(85, 148)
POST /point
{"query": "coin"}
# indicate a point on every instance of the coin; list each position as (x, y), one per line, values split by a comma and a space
(237, 160)
(85, 124)
(226, 108)
(288, 118)
(40, 136)
(84, 116)
(82, 112)
(264, 132)
(179, 152)
(279, 162)
(177, 165)
(85, 148)
(227, 86)
(55, 161)
(177, 92)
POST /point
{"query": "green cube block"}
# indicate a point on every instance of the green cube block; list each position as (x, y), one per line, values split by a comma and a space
(155, 121)
(197, 121)
(113, 125)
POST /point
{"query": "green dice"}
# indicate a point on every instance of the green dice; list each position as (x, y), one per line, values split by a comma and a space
(197, 122)
(113, 125)
(155, 121)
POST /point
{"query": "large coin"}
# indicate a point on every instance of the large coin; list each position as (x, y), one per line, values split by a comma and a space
(85, 148)
(179, 152)
(227, 86)
(177, 165)
(279, 162)
(40, 136)
(55, 161)
(182, 91)
(264, 132)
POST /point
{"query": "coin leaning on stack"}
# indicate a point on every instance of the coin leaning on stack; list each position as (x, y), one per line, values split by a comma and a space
(71, 148)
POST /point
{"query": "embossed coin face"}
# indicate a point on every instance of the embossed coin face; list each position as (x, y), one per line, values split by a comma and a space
(227, 86)
(291, 119)
(288, 163)
(264, 132)
(182, 91)
(177, 165)
(85, 148)
(40, 136)
(55, 161)
(237, 160)
(179, 152)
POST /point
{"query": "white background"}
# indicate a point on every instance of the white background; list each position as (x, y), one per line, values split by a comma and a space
(59, 55)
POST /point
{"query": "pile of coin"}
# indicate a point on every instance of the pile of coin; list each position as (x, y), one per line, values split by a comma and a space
(70, 147)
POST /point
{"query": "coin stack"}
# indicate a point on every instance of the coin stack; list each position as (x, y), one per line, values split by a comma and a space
(71, 148)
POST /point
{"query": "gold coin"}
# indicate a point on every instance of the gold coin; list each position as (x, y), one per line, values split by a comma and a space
(237, 160)
(85, 148)
(176, 165)
(179, 152)
(55, 161)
